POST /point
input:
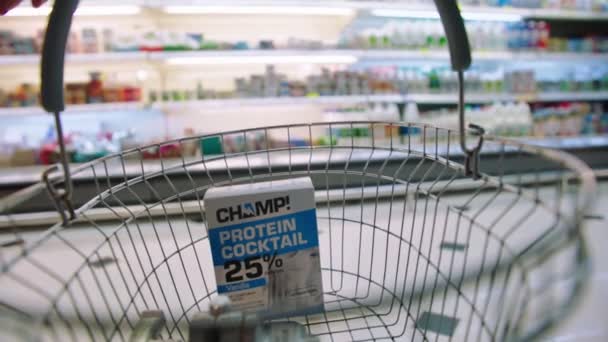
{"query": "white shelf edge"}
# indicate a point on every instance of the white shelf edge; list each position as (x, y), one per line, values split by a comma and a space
(73, 109)
(371, 5)
(109, 57)
(9, 60)
(353, 55)
(320, 100)
(545, 13)
(332, 5)
(418, 98)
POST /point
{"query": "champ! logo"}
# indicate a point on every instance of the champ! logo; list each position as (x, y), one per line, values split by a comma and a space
(252, 209)
(248, 210)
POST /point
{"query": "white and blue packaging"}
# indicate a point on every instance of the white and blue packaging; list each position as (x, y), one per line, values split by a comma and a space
(265, 246)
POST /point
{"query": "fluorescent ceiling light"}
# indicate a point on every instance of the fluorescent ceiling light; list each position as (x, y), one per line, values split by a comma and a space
(108, 10)
(29, 11)
(305, 59)
(480, 16)
(281, 10)
(83, 10)
(405, 14)
(424, 14)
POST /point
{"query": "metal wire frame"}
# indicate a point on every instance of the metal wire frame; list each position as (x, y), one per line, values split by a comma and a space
(387, 214)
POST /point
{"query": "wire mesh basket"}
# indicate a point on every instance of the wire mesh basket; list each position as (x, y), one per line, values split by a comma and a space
(411, 248)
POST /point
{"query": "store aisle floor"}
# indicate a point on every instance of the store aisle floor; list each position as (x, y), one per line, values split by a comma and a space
(587, 322)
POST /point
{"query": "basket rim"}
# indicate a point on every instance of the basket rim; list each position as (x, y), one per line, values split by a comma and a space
(582, 170)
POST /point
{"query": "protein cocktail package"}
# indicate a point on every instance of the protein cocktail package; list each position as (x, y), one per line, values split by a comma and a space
(265, 246)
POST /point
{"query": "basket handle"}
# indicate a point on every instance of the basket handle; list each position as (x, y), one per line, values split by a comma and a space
(460, 57)
(51, 93)
(456, 34)
(53, 55)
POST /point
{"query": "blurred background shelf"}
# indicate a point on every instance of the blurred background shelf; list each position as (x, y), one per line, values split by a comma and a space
(391, 98)
(158, 8)
(390, 7)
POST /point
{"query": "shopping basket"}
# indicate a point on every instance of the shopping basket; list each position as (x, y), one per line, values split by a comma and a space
(420, 237)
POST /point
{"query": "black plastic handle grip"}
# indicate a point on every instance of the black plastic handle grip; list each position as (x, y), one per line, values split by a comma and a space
(53, 55)
(458, 42)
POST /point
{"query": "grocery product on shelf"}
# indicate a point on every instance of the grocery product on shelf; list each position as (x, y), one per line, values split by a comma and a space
(373, 80)
(94, 91)
(91, 40)
(570, 119)
(423, 34)
(12, 43)
(392, 80)
(407, 34)
(579, 5)
(510, 119)
(520, 82)
(24, 95)
(513, 119)
(519, 120)
(503, 119)
(94, 88)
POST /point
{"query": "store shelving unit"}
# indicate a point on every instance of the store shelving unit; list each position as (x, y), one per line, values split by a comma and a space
(92, 108)
(98, 108)
(313, 7)
(391, 98)
(396, 8)
(173, 67)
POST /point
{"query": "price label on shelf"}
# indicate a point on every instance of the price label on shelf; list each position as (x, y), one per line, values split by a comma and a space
(265, 246)
(530, 97)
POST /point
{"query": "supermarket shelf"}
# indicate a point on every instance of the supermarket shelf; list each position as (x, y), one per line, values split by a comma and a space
(317, 6)
(484, 12)
(489, 98)
(326, 56)
(351, 56)
(570, 142)
(106, 57)
(418, 98)
(540, 13)
(566, 15)
(280, 101)
(563, 96)
(9, 60)
(158, 8)
(73, 109)
(320, 100)
(31, 174)
(539, 56)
